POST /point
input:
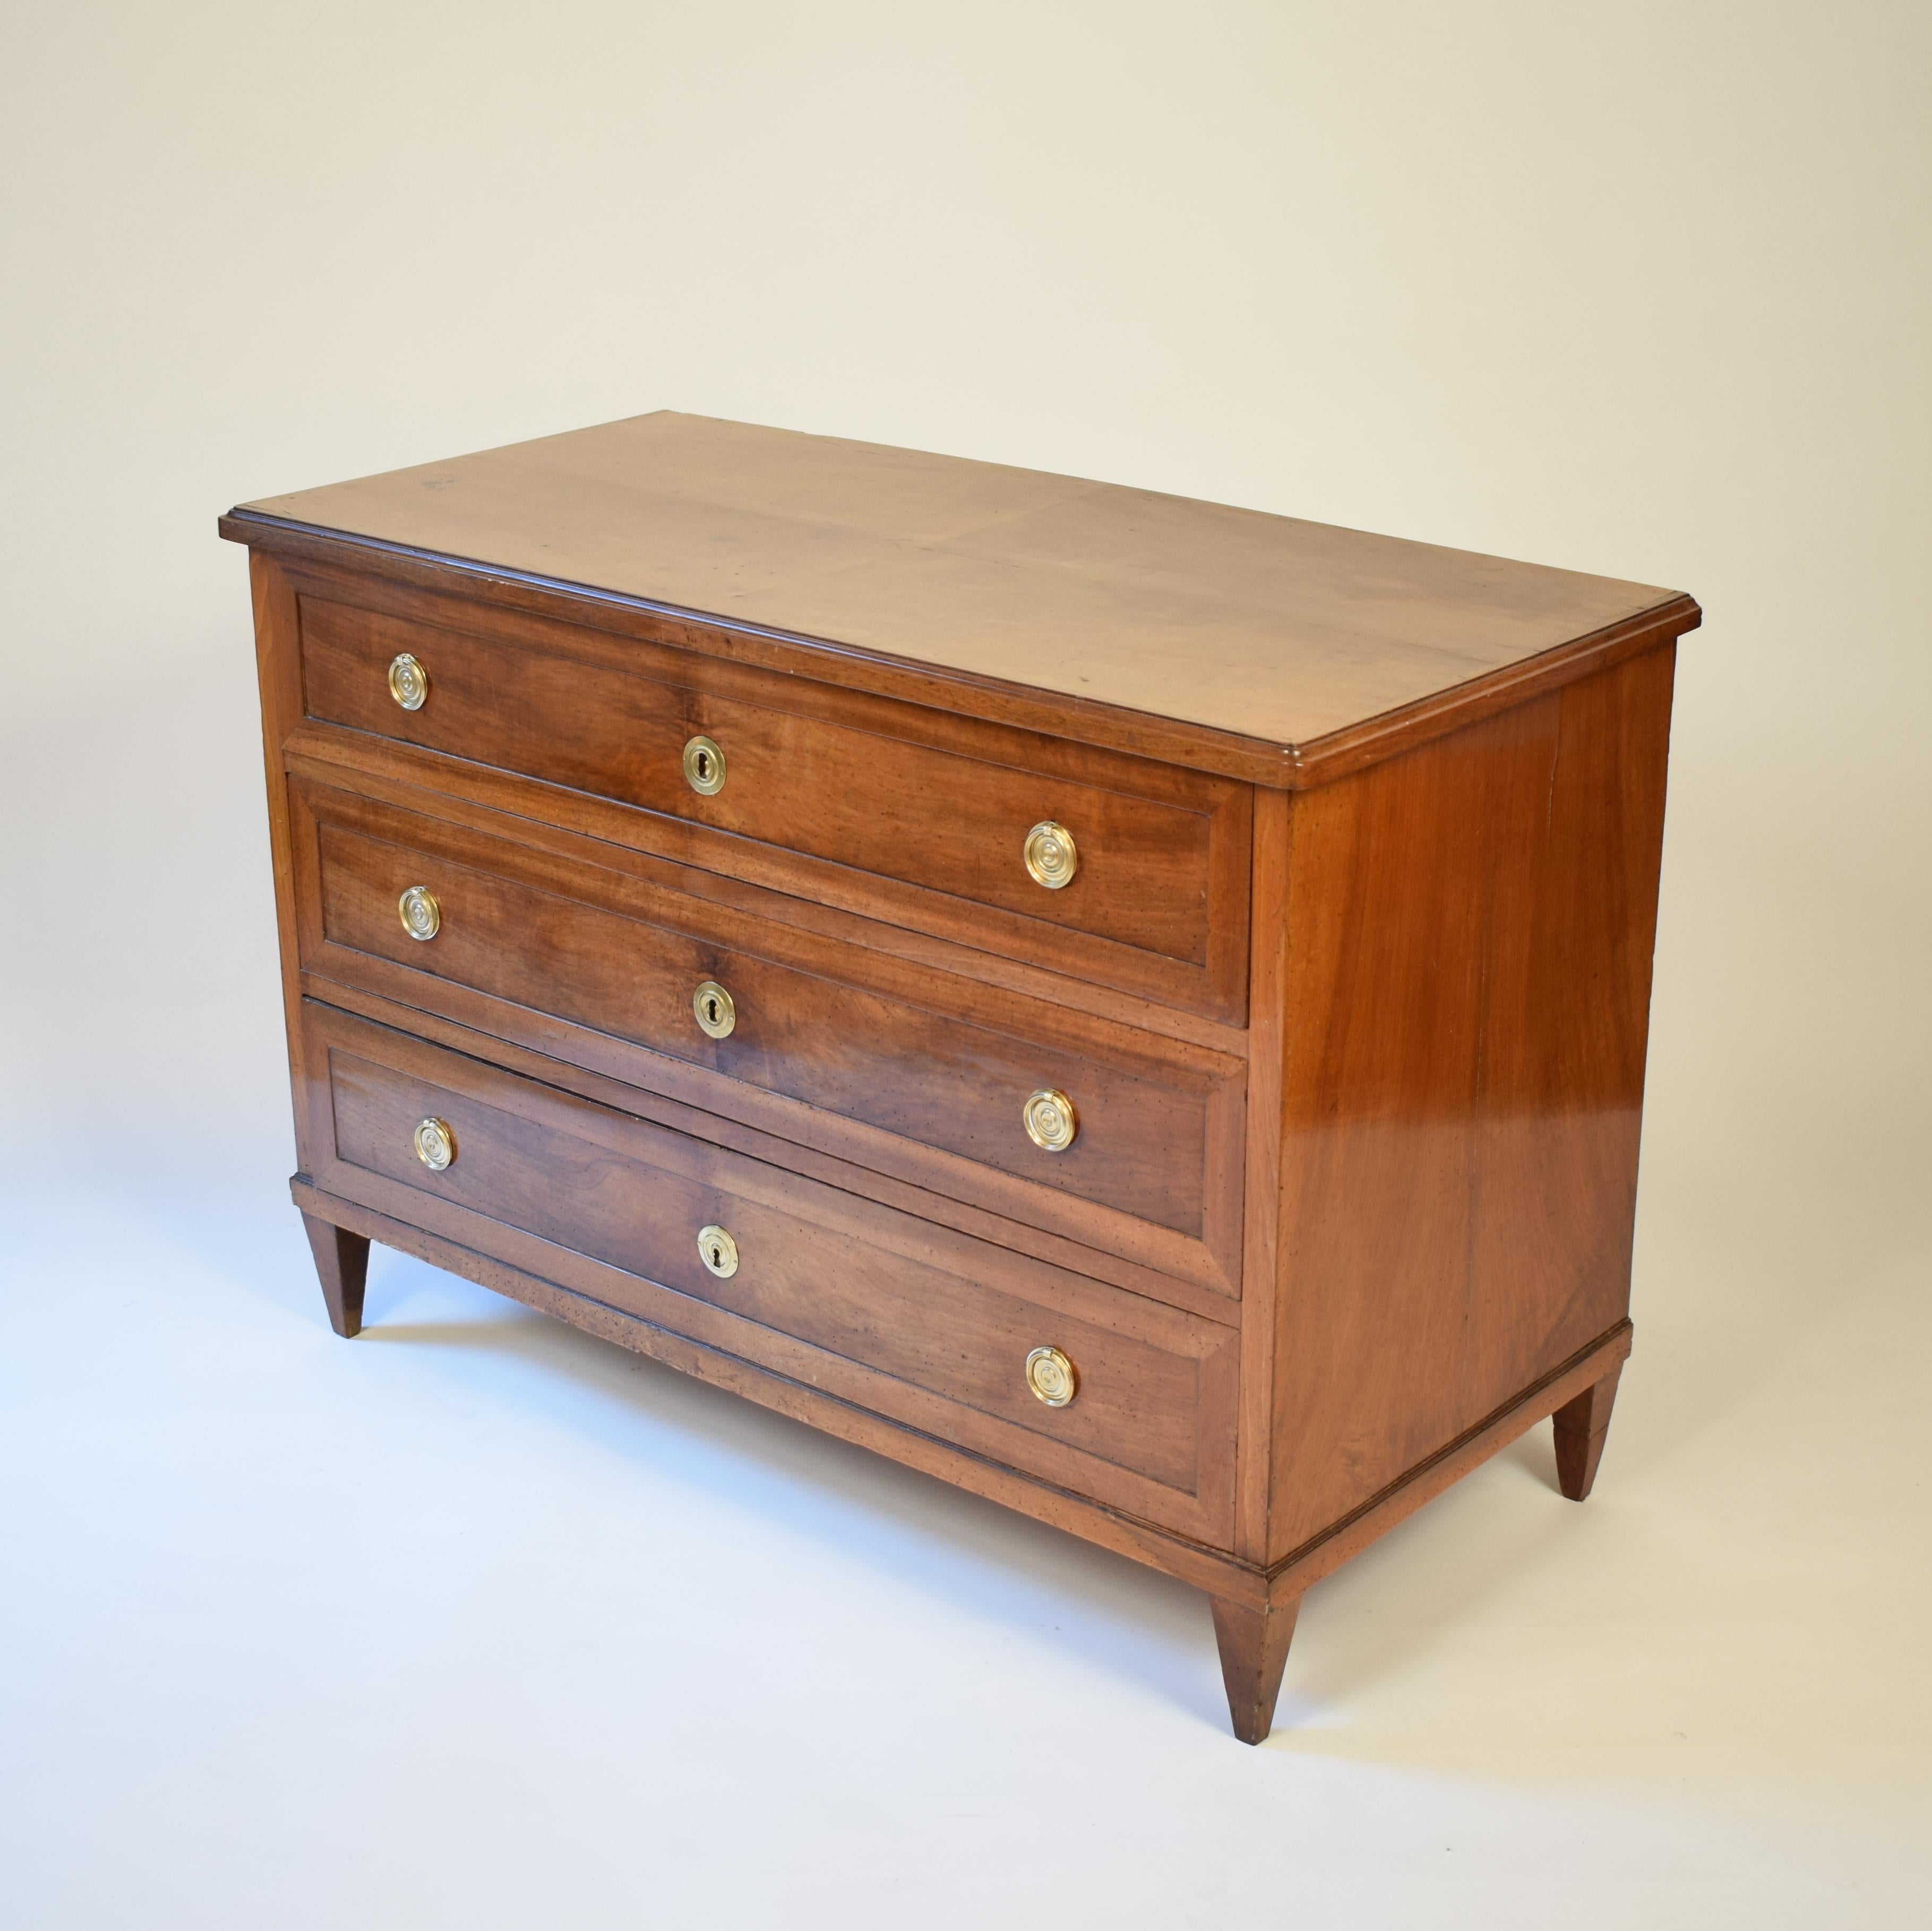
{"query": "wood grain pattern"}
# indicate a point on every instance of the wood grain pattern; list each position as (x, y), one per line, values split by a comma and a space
(1265, 630)
(1471, 935)
(827, 778)
(399, 775)
(389, 568)
(1077, 971)
(1058, 1250)
(902, 1052)
(921, 1325)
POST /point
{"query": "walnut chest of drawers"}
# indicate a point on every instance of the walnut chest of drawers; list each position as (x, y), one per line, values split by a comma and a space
(1134, 1007)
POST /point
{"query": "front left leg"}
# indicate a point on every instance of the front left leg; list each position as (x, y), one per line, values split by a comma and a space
(342, 1260)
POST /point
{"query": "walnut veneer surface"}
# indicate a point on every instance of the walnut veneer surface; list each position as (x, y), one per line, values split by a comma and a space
(651, 809)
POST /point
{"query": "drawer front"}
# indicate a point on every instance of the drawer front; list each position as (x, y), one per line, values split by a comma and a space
(936, 811)
(912, 1321)
(810, 1022)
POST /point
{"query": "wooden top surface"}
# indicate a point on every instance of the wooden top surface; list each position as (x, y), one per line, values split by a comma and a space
(1261, 628)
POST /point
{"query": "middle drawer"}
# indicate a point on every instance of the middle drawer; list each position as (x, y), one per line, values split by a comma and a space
(945, 1083)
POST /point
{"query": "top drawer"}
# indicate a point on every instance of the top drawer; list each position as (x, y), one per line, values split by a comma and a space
(905, 813)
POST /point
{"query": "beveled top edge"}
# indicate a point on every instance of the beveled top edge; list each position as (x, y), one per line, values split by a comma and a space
(1262, 626)
(1272, 764)
(1220, 623)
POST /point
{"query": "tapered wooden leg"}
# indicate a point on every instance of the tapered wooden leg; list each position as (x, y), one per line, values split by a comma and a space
(1254, 1652)
(1581, 1426)
(342, 1260)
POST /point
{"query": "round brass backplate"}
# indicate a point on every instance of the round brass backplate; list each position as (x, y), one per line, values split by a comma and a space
(436, 1145)
(409, 682)
(718, 1251)
(1050, 1119)
(422, 915)
(704, 766)
(1052, 1377)
(715, 1012)
(1052, 857)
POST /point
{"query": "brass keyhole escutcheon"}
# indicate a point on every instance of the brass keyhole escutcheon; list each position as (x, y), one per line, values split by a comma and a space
(409, 682)
(715, 1012)
(435, 1145)
(1050, 1119)
(718, 1251)
(704, 766)
(422, 915)
(1052, 1377)
(1052, 857)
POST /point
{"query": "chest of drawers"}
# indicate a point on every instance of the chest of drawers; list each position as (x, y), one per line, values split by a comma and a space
(1134, 1007)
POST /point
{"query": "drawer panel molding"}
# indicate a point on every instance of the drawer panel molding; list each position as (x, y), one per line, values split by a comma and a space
(945, 1084)
(927, 1326)
(1146, 887)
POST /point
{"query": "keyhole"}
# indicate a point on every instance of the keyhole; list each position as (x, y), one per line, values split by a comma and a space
(711, 1006)
(703, 766)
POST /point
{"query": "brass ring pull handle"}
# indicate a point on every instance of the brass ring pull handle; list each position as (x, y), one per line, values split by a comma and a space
(435, 1145)
(1052, 1377)
(1052, 857)
(716, 1011)
(704, 766)
(421, 915)
(409, 682)
(718, 1251)
(1050, 1119)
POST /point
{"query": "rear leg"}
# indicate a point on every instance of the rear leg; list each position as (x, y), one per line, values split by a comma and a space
(1581, 1426)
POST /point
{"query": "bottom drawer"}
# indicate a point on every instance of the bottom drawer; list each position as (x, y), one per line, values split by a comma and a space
(914, 1321)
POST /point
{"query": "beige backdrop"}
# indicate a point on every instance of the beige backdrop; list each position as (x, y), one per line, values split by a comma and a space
(1645, 290)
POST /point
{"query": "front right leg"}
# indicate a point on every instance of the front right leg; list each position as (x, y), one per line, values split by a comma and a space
(1254, 1652)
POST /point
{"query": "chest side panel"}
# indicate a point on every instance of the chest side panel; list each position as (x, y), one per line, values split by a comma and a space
(1470, 930)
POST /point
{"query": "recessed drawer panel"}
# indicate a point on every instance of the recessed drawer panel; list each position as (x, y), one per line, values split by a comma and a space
(1116, 1138)
(1124, 871)
(1119, 1397)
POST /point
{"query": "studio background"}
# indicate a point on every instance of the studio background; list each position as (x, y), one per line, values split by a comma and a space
(476, 1622)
